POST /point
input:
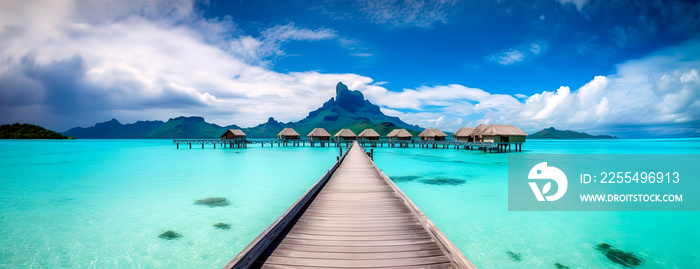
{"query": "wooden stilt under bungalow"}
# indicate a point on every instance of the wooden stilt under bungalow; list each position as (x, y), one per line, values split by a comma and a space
(464, 134)
(354, 217)
(491, 138)
(504, 136)
(345, 134)
(233, 134)
(286, 137)
(234, 138)
(287, 134)
(476, 133)
(368, 137)
(392, 135)
(402, 136)
(319, 136)
(368, 134)
(432, 135)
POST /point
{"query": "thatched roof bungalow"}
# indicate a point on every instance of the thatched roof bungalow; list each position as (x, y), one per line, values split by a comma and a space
(432, 135)
(503, 133)
(233, 134)
(476, 133)
(399, 134)
(288, 133)
(319, 134)
(464, 134)
(368, 134)
(345, 134)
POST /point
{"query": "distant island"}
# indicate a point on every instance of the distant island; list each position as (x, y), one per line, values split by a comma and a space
(551, 133)
(27, 131)
(348, 109)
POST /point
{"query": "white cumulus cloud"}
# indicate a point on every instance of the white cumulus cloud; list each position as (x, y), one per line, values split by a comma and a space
(67, 63)
(663, 88)
(521, 53)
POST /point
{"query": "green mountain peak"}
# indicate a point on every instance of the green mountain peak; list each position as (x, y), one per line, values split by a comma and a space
(348, 109)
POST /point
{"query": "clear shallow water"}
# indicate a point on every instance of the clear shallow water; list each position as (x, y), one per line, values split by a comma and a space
(475, 216)
(103, 203)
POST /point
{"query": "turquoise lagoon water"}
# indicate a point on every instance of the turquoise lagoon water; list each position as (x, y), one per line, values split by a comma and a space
(475, 216)
(103, 203)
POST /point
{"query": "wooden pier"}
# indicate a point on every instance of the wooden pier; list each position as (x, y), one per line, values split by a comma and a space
(231, 143)
(238, 143)
(353, 217)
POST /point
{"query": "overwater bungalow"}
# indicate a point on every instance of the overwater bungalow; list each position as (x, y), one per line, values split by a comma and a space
(288, 134)
(399, 134)
(319, 134)
(368, 134)
(391, 135)
(345, 134)
(503, 133)
(234, 134)
(432, 135)
(476, 133)
(464, 134)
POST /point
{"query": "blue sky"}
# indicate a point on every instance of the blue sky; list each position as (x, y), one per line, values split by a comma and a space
(599, 66)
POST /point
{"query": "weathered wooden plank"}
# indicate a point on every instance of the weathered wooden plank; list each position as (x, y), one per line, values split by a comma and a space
(368, 224)
(452, 252)
(372, 217)
(340, 243)
(373, 225)
(356, 233)
(413, 236)
(373, 263)
(364, 249)
(353, 228)
(359, 219)
(369, 212)
(252, 252)
(360, 255)
(430, 266)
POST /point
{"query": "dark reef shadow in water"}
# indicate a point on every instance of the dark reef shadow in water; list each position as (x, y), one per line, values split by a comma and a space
(213, 202)
(624, 258)
(169, 235)
(222, 226)
(443, 181)
(514, 256)
(561, 266)
(404, 178)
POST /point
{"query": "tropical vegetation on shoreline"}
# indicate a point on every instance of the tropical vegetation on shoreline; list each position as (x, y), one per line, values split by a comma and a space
(27, 131)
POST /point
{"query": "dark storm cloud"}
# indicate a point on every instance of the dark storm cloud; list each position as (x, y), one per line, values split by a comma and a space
(62, 61)
(62, 87)
(62, 82)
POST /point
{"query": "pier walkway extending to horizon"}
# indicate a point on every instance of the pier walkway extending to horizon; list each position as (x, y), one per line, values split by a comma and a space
(445, 144)
(353, 217)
